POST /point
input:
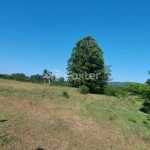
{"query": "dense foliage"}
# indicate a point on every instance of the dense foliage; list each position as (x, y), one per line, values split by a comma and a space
(133, 88)
(86, 66)
(146, 107)
(146, 93)
(148, 81)
(16, 76)
(141, 90)
(116, 91)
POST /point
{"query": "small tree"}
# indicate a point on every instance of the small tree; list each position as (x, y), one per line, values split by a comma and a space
(148, 80)
(46, 73)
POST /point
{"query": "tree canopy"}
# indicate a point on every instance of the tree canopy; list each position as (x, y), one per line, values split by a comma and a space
(86, 66)
(46, 72)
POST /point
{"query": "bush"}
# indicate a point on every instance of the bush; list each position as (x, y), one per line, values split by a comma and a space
(115, 91)
(65, 94)
(144, 91)
(139, 89)
(148, 81)
(146, 107)
(84, 90)
(133, 88)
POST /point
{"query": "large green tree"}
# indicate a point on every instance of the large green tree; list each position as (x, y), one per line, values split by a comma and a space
(86, 66)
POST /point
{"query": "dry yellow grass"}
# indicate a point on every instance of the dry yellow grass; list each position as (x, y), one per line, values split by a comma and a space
(37, 116)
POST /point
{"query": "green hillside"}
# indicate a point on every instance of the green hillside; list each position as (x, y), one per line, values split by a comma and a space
(34, 116)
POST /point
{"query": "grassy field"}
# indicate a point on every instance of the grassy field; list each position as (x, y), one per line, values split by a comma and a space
(36, 116)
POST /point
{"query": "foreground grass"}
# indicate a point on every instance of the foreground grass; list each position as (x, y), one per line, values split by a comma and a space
(36, 116)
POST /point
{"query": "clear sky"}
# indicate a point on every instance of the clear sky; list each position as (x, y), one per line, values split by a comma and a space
(40, 34)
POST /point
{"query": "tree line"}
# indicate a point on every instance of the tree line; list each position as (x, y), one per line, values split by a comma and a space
(37, 78)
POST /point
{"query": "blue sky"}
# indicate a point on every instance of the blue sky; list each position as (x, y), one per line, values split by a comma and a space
(39, 34)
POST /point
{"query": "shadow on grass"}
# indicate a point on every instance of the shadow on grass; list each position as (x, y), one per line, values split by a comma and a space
(4, 135)
(3, 120)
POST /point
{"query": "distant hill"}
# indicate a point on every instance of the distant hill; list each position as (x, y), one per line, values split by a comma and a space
(117, 83)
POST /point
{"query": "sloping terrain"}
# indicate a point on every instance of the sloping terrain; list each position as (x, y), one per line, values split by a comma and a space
(36, 116)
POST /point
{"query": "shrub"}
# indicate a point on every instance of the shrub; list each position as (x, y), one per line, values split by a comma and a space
(144, 91)
(115, 91)
(84, 90)
(139, 89)
(146, 107)
(133, 88)
(148, 81)
(65, 94)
